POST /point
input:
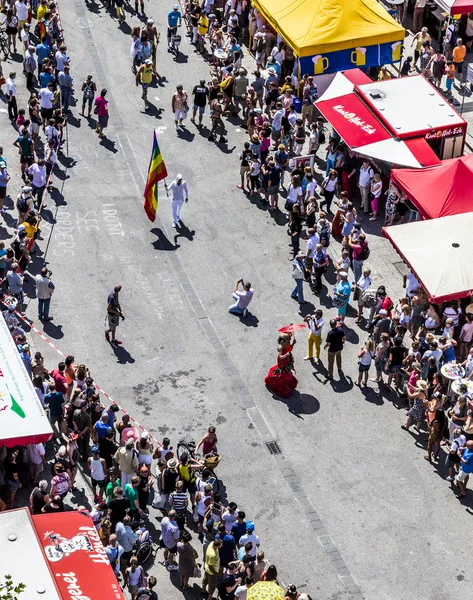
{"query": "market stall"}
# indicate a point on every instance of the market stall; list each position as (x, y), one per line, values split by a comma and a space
(438, 252)
(439, 191)
(22, 417)
(362, 130)
(379, 119)
(332, 35)
(58, 556)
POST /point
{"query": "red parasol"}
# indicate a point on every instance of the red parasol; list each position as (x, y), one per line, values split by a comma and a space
(291, 328)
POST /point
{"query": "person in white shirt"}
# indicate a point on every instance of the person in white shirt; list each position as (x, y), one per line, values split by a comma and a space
(329, 185)
(46, 101)
(276, 124)
(10, 93)
(250, 536)
(44, 291)
(21, 14)
(453, 311)
(36, 458)
(362, 284)
(25, 36)
(61, 58)
(311, 186)
(179, 192)
(242, 298)
(411, 284)
(466, 336)
(364, 183)
(315, 323)
(312, 241)
(37, 171)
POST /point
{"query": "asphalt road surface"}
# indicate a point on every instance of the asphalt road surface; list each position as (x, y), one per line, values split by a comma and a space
(349, 509)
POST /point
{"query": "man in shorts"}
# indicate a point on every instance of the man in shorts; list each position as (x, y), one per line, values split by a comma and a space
(144, 75)
(179, 105)
(46, 102)
(25, 144)
(200, 93)
(466, 467)
(169, 537)
(114, 314)
(212, 568)
(98, 470)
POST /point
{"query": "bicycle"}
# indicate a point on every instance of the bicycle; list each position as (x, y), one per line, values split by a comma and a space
(210, 462)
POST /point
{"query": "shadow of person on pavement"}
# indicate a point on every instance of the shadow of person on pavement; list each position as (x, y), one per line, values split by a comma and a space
(183, 231)
(250, 320)
(299, 403)
(371, 395)
(54, 331)
(153, 111)
(161, 243)
(185, 134)
(108, 144)
(122, 354)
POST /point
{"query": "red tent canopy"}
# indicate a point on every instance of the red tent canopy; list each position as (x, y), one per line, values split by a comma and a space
(439, 191)
(76, 556)
(460, 7)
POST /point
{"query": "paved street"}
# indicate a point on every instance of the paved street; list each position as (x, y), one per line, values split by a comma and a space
(349, 509)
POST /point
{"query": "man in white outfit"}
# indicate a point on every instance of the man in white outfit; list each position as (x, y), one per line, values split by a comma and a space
(179, 192)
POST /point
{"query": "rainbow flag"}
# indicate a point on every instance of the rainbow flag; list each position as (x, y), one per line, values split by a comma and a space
(156, 172)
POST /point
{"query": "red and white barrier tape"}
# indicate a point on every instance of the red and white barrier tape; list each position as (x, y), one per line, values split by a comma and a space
(45, 339)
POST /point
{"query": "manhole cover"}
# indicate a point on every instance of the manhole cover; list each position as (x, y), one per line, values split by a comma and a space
(273, 447)
(84, 23)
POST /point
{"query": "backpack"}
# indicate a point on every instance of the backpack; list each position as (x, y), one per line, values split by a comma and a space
(390, 304)
(21, 204)
(369, 298)
(365, 252)
(144, 594)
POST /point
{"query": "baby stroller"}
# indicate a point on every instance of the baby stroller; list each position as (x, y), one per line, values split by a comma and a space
(144, 547)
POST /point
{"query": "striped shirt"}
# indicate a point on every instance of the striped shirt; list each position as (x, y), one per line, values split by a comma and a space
(178, 500)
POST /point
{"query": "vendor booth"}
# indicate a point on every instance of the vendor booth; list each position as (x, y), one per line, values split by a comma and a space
(22, 417)
(56, 556)
(439, 191)
(332, 35)
(438, 251)
(403, 121)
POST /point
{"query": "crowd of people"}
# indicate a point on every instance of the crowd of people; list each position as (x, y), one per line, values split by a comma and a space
(407, 341)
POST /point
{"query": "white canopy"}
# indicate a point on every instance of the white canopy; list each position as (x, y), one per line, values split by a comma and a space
(439, 253)
(22, 417)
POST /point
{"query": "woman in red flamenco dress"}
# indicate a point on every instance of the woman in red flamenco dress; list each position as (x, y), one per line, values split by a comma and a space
(280, 379)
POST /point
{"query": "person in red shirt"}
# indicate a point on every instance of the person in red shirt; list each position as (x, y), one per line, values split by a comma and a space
(60, 378)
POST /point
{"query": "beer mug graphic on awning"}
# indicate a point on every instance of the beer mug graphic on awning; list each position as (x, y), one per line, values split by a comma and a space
(320, 64)
(396, 51)
(358, 57)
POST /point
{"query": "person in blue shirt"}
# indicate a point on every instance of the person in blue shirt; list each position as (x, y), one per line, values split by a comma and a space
(46, 77)
(239, 528)
(174, 20)
(55, 402)
(466, 459)
(101, 427)
(227, 551)
(342, 293)
(42, 52)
